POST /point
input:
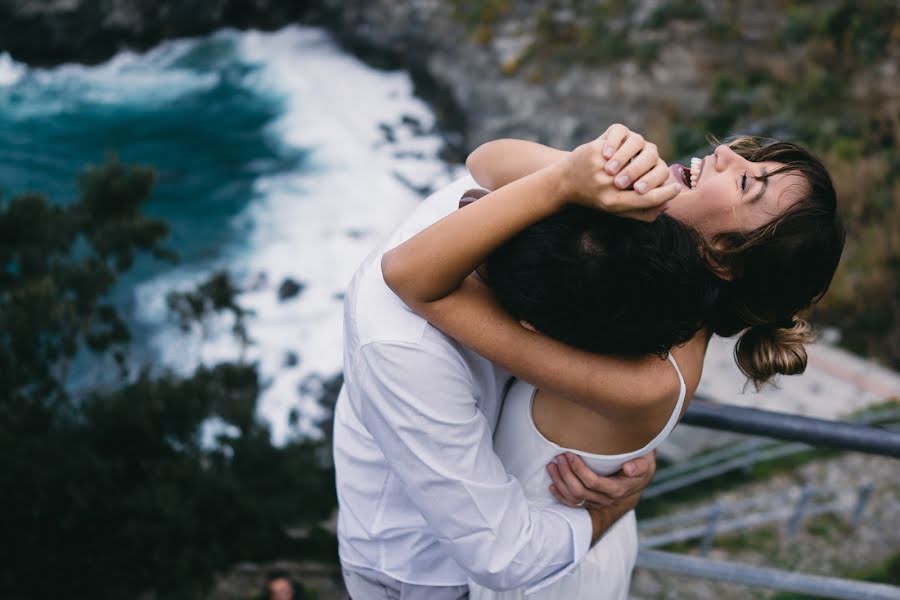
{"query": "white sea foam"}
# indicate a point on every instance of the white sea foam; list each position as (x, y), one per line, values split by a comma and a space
(317, 225)
(148, 79)
(11, 72)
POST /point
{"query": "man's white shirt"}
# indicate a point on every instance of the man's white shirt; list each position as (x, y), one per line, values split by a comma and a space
(423, 497)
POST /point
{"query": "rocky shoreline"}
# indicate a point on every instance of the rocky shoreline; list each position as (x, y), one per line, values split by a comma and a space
(469, 74)
(47, 33)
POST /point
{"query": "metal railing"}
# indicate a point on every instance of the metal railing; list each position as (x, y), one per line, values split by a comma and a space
(803, 432)
(745, 454)
(719, 518)
(795, 428)
(777, 579)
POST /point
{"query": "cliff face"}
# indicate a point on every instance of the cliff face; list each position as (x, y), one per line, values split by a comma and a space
(504, 64)
(47, 32)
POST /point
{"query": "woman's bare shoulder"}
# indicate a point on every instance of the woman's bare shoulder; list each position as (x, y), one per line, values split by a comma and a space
(690, 359)
(662, 385)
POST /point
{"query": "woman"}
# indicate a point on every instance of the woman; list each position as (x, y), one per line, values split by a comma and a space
(771, 236)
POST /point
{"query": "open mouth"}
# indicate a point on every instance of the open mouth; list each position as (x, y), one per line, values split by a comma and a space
(689, 177)
(696, 168)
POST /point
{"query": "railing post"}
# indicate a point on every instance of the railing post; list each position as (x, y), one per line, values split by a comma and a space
(865, 492)
(750, 459)
(799, 510)
(714, 513)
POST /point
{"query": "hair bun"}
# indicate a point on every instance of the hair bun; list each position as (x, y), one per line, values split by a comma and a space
(770, 349)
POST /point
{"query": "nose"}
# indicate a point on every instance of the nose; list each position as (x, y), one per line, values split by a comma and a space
(725, 156)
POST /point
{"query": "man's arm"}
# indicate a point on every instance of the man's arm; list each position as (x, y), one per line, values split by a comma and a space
(603, 517)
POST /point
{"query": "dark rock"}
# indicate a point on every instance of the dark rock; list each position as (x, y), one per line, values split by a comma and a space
(289, 288)
(388, 132)
(413, 154)
(46, 32)
(291, 359)
(421, 190)
(414, 125)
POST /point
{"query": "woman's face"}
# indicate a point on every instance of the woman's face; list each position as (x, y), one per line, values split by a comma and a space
(730, 195)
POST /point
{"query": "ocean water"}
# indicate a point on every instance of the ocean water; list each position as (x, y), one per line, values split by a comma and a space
(279, 156)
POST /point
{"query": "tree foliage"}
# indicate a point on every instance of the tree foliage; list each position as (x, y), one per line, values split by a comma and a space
(114, 492)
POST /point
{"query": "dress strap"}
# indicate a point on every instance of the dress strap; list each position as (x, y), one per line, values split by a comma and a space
(676, 412)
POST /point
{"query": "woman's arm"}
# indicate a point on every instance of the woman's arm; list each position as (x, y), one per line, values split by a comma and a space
(426, 270)
(433, 263)
(499, 162)
(605, 384)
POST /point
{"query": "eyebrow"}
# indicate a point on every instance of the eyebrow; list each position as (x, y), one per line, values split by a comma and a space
(764, 177)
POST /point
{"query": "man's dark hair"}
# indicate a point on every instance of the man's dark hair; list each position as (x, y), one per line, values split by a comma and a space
(299, 593)
(606, 284)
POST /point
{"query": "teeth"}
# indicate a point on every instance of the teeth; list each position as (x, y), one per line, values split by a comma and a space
(695, 171)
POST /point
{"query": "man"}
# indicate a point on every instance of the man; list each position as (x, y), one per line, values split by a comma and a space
(425, 504)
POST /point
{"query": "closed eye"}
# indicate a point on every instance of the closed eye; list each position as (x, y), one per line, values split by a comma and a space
(744, 182)
(764, 178)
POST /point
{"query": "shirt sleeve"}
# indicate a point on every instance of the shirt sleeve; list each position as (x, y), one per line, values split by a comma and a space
(420, 408)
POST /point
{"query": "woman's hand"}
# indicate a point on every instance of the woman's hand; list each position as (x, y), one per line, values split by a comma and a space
(574, 484)
(619, 173)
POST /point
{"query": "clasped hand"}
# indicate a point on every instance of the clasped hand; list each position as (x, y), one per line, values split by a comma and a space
(620, 173)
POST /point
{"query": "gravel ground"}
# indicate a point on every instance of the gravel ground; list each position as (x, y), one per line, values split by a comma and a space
(825, 545)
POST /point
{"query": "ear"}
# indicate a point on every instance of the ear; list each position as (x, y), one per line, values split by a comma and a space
(470, 196)
(719, 269)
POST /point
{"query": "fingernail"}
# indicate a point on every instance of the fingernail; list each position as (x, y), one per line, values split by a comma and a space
(612, 166)
(676, 188)
(560, 460)
(629, 469)
(641, 186)
(570, 456)
(622, 180)
(608, 151)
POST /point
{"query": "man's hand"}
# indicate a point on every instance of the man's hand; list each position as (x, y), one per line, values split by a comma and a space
(574, 484)
(619, 173)
(607, 499)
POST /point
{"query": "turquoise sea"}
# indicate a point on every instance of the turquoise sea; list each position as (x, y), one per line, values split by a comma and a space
(278, 156)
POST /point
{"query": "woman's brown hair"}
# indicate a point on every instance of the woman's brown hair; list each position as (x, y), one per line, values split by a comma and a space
(779, 269)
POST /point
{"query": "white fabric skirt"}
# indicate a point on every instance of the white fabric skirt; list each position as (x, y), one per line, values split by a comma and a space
(604, 574)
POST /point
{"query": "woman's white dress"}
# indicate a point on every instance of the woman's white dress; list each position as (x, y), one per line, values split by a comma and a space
(605, 572)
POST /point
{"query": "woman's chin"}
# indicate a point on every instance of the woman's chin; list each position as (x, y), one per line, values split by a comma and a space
(679, 208)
